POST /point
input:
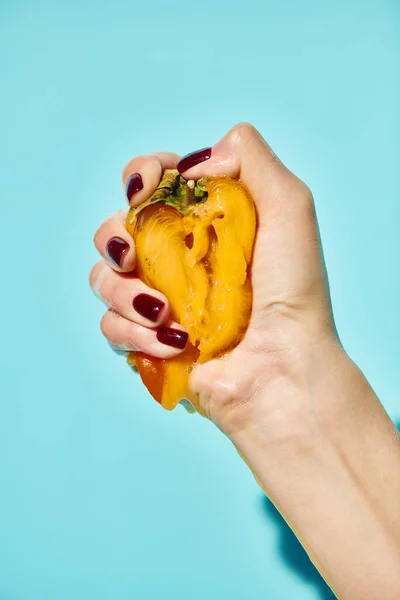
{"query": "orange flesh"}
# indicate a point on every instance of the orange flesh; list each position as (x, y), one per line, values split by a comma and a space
(200, 262)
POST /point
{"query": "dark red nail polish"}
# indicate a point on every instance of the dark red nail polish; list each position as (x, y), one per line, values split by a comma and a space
(148, 306)
(116, 249)
(133, 185)
(193, 159)
(172, 337)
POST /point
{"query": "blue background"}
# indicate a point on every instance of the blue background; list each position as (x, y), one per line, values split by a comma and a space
(104, 495)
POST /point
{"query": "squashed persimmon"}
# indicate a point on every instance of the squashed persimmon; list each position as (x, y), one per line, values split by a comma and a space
(194, 242)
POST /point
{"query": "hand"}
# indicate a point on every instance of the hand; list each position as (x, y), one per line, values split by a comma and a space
(291, 317)
(295, 406)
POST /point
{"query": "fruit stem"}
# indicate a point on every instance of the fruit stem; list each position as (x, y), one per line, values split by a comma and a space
(176, 191)
(190, 197)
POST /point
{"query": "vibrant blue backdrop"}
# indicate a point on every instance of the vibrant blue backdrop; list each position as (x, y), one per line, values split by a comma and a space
(103, 495)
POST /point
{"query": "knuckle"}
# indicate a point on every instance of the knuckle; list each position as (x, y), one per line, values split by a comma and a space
(306, 192)
(105, 324)
(243, 132)
(94, 274)
(96, 237)
(108, 326)
(111, 298)
(108, 227)
(306, 198)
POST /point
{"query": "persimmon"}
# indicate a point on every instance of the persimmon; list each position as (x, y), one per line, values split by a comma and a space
(194, 242)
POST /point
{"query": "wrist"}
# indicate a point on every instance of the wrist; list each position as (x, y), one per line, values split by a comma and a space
(316, 420)
(328, 458)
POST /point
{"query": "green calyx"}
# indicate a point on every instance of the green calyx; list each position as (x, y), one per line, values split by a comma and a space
(174, 190)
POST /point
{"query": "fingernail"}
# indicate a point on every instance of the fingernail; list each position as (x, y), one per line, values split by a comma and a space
(133, 185)
(148, 306)
(116, 249)
(172, 337)
(194, 158)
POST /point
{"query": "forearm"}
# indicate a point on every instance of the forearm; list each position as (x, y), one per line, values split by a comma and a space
(336, 480)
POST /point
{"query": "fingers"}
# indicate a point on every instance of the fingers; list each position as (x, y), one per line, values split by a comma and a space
(142, 175)
(115, 244)
(129, 296)
(138, 315)
(165, 342)
(140, 178)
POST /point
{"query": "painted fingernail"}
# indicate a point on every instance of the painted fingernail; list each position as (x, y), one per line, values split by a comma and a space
(133, 185)
(172, 337)
(148, 306)
(193, 159)
(116, 250)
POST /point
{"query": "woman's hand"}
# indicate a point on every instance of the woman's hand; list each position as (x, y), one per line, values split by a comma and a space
(298, 410)
(291, 316)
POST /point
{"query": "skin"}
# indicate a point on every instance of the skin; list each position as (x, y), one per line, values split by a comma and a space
(301, 413)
